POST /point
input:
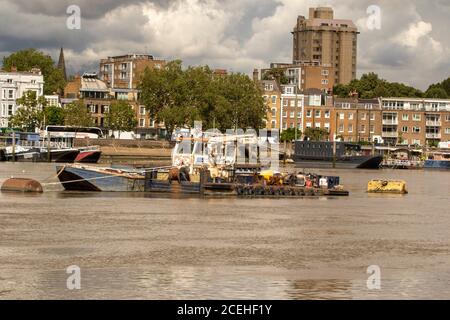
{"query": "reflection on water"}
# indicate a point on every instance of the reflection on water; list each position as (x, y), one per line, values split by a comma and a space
(136, 246)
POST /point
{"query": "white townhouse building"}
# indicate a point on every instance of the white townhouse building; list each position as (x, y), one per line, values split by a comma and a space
(13, 85)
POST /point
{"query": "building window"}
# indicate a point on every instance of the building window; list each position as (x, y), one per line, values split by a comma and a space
(372, 128)
(362, 129)
(292, 114)
(285, 103)
(284, 114)
(327, 114)
(324, 81)
(318, 125)
(317, 114)
(372, 116)
(350, 128)
(416, 130)
(10, 110)
(342, 116)
(416, 142)
(341, 128)
(285, 125)
(292, 103)
(405, 117)
(92, 108)
(142, 111)
(350, 116)
(363, 116)
(447, 118)
(299, 104)
(308, 124)
(405, 129)
(447, 130)
(141, 122)
(308, 113)
(299, 114)
(274, 99)
(417, 117)
(325, 72)
(274, 124)
(10, 94)
(105, 109)
(274, 112)
(292, 125)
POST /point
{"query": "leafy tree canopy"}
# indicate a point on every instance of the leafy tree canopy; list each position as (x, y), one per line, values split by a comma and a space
(25, 60)
(179, 97)
(120, 117)
(30, 114)
(77, 115)
(289, 134)
(371, 86)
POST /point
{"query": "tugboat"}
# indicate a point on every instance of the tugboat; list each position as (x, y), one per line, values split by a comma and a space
(313, 154)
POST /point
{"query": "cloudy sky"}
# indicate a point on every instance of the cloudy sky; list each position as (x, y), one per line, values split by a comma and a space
(412, 46)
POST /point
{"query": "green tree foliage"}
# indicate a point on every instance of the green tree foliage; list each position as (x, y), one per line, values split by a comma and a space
(436, 93)
(316, 134)
(53, 116)
(437, 90)
(77, 115)
(289, 135)
(276, 74)
(120, 117)
(371, 86)
(29, 115)
(25, 60)
(179, 97)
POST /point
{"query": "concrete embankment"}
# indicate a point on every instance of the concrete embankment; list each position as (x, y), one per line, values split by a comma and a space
(131, 152)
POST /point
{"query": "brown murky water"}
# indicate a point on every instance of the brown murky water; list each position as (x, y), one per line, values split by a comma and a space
(132, 246)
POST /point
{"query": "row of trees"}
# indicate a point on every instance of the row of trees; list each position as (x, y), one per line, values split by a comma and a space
(371, 86)
(179, 97)
(35, 113)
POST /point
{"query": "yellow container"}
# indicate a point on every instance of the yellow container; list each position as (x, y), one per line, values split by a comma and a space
(267, 174)
(387, 186)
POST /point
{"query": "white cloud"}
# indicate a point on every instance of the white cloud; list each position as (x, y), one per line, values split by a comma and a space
(411, 36)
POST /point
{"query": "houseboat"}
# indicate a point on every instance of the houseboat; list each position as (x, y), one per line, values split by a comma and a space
(314, 154)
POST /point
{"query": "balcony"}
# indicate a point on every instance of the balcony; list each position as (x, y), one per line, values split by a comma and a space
(389, 134)
(390, 122)
(433, 136)
(431, 123)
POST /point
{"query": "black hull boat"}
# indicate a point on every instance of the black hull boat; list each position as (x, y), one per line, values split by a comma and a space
(40, 155)
(312, 154)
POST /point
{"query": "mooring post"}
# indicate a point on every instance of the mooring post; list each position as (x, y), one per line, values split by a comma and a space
(13, 146)
(49, 154)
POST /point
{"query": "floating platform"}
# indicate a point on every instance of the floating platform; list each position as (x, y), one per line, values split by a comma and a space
(387, 186)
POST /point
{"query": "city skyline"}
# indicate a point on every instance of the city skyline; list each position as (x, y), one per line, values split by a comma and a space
(410, 46)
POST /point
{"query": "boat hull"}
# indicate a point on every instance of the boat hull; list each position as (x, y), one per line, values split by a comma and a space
(84, 179)
(437, 164)
(59, 156)
(88, 156)
(357, 162)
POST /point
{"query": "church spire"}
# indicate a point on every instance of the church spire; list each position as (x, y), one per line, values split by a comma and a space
(62, 63)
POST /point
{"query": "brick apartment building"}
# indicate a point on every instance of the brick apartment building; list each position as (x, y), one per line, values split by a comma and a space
(122, 75)
(306, 74)
(332, 42)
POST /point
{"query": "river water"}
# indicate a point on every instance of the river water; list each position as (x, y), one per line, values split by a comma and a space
(135, 246)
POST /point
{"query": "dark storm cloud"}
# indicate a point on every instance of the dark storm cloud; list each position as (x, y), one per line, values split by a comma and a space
(90, 9)
(238, 35)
